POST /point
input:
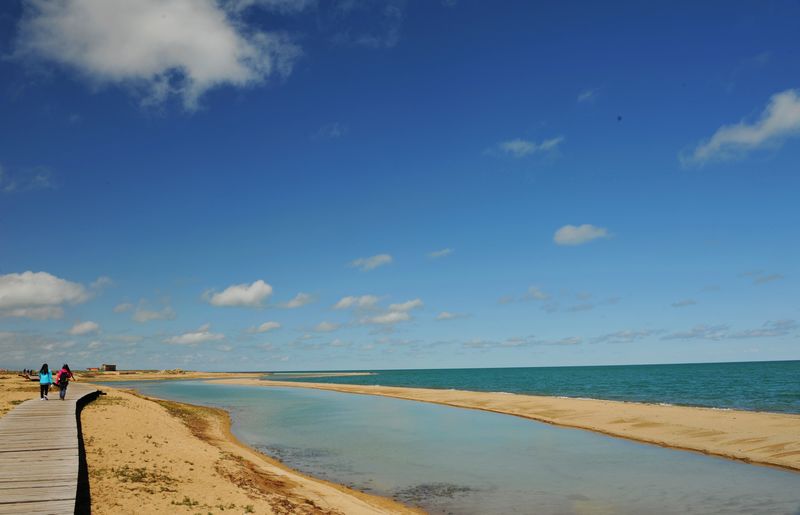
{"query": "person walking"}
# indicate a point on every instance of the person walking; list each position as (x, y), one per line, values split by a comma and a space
(45, 380)
(64, 376)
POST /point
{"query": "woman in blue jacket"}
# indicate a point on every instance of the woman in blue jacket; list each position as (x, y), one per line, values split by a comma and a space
(45, 380)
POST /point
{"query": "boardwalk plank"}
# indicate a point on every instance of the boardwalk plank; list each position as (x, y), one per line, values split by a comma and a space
(37, 508)
(39, 455)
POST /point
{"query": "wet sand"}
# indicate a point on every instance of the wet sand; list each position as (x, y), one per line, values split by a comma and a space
(755, 437)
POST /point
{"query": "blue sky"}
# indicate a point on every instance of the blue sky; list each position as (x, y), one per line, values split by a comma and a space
(285, 185)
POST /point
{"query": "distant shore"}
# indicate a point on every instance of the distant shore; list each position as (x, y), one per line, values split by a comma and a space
(753, 437)
(163, 375)
(168, 375)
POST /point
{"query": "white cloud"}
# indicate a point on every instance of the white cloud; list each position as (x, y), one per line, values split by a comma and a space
(440, 253)
(779, 120)
(122, 308)
(26, 179)
(38, 289)
(360, 302)
(520, 341)
(244, 295)
(571, 340)
(299, 300)
(37, 313)
(201, 335)
(683, 303)
(578, 235)
(372, 262)
(624, 336)
(406, 306)
(143, 314)
(397, 313)
(521, 148)
(447, 315)
(282, 6)
(101, 283)
(326, 327)
(392, 317)
(38, 295)
(768, 329)
(536, 293)
(84, 328)
(164, 47)
(701, 331)
(760, 277)
(266, 326)
(587, 95)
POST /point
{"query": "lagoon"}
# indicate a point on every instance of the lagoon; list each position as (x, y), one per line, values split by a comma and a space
(452, 460)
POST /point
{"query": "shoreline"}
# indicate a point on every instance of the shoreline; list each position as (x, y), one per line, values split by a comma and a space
(164, 375)
(185, 455)
(761, 438)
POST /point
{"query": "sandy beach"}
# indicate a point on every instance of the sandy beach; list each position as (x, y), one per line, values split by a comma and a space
(153, 456)
(755, 437)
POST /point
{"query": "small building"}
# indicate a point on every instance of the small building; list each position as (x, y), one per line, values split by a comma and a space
(108, 368)
(93, 369)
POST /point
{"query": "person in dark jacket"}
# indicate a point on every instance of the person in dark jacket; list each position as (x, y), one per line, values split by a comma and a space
(64, 376)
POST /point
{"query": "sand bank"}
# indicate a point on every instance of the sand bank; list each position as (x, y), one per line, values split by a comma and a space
(309, 375)
(151, 456)
(756, 437)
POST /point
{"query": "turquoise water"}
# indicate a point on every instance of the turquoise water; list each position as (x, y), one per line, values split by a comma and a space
(450, 460)
(758, 386)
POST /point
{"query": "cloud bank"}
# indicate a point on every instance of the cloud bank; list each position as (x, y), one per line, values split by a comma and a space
(158, 47)
(241, 295)
(778, 121)
(201, 335)
(84, 328)
(38, 295)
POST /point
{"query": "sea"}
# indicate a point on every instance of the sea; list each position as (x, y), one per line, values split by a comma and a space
(448, 460)
(755, 386)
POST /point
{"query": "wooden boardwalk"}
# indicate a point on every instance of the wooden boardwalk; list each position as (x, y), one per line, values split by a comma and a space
(39, 454)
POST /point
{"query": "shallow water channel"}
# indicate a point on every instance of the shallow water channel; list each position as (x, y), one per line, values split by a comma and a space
(452, 460)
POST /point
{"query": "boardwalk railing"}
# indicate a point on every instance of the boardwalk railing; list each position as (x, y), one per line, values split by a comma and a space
(40, 454)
